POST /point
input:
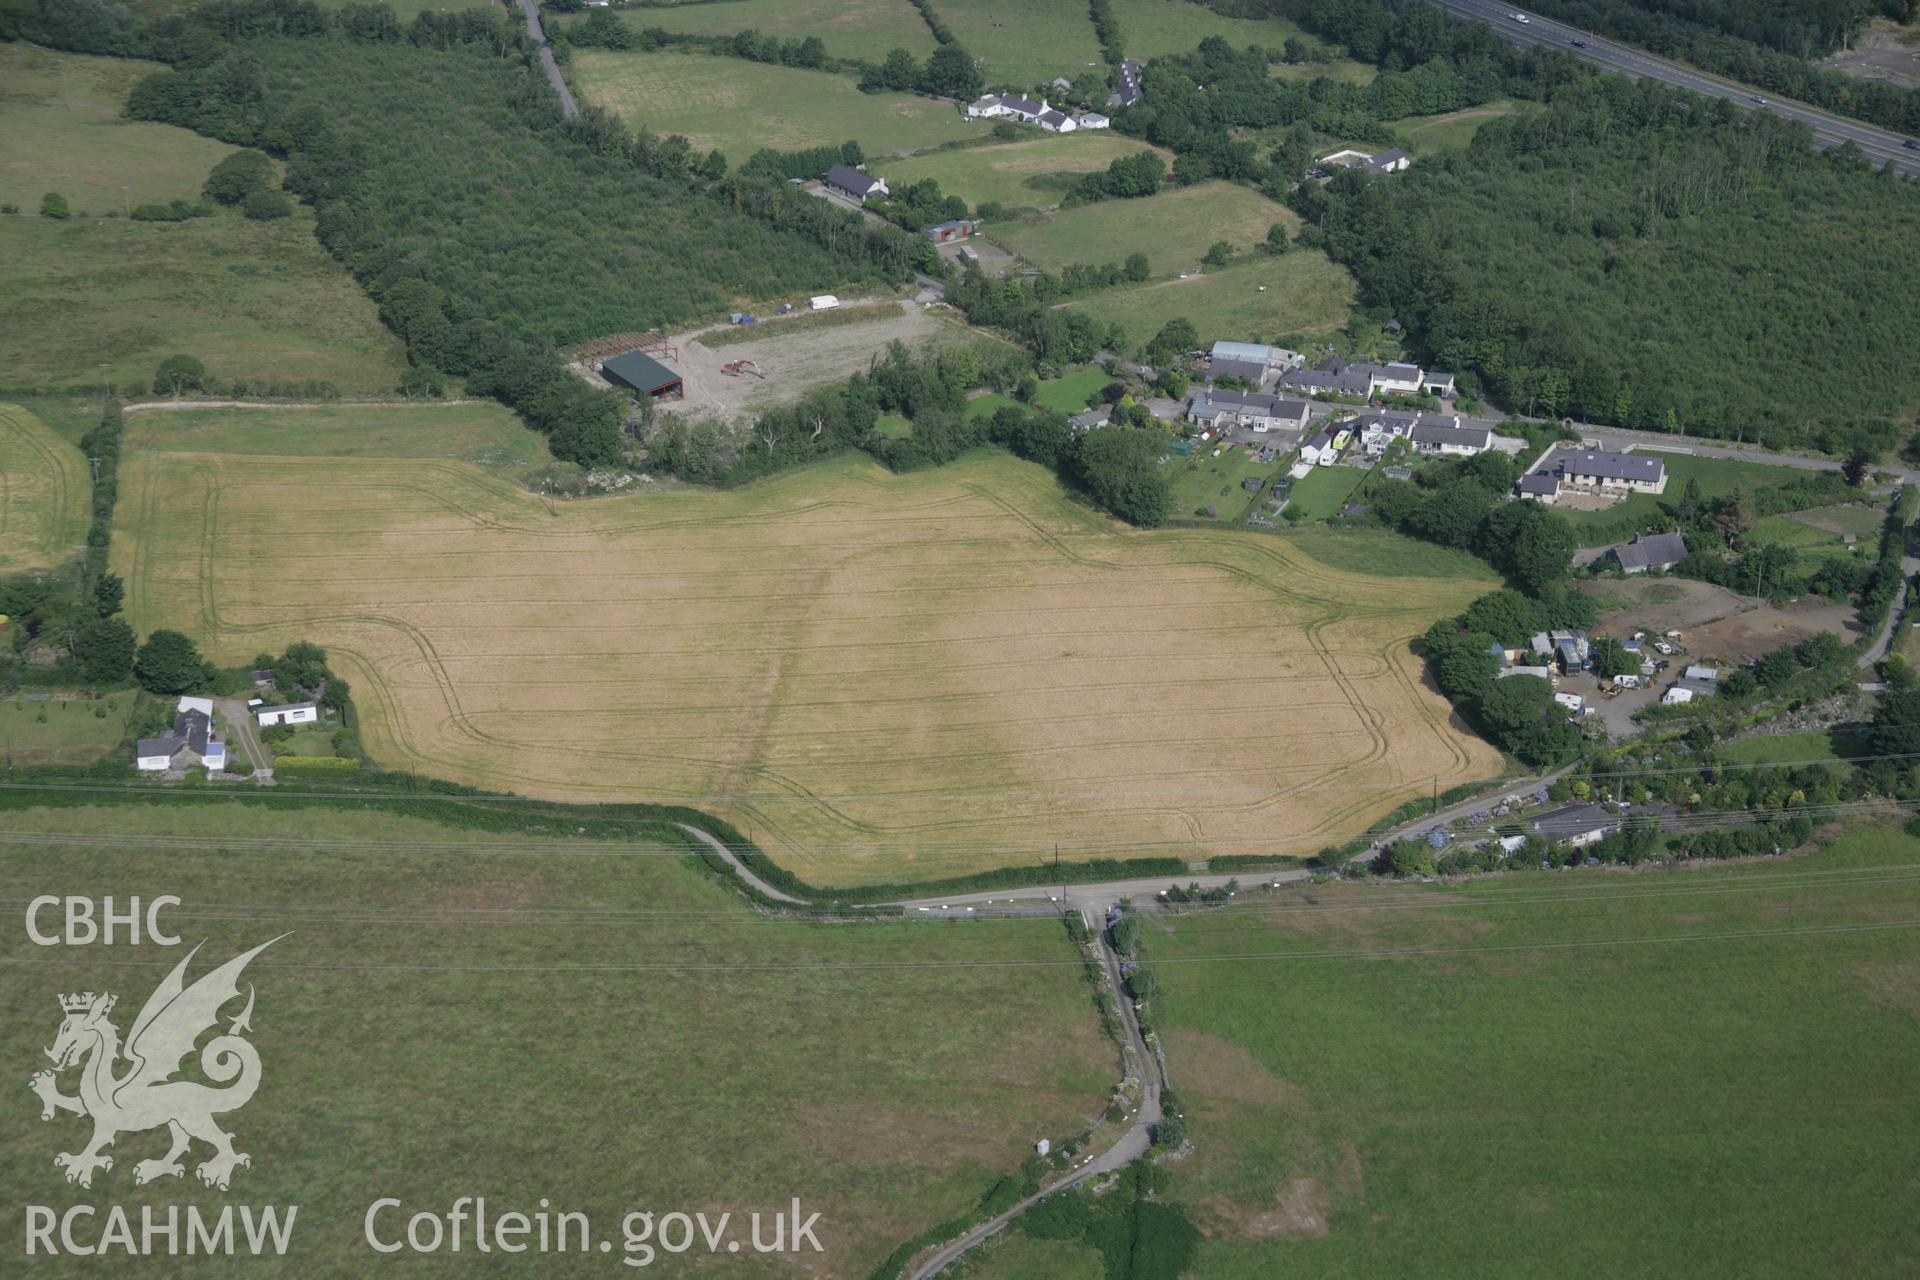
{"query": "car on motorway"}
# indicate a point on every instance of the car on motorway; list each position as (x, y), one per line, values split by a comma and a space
(1579, 44)
(1911, 145)
(1759, 101)
(1521, 17)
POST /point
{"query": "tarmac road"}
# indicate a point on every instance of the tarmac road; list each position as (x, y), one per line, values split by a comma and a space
(1882, 146)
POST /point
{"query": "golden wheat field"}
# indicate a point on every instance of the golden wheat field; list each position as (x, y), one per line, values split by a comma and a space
(43, 494)
(877, 676)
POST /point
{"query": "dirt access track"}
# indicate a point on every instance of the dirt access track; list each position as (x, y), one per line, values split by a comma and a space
(1714, 622)
(797, 360)
(1887, 53)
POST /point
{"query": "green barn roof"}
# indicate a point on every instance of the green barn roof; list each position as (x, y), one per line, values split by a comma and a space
(640, 371)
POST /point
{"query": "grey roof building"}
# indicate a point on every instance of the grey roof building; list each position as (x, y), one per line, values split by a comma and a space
(842, 177)
(1539, 484)
(1589, 466)
(1656, 551)
(1578, 824)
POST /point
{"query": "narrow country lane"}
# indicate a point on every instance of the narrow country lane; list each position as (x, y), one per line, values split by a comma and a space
(539, 36)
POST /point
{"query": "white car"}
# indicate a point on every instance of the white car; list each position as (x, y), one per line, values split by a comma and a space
(1521, 17)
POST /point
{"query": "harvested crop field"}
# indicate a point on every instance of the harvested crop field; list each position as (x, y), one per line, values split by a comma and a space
(878, 676)
(43, 493)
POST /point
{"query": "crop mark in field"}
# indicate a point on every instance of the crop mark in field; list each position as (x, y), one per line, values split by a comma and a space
(941, 671)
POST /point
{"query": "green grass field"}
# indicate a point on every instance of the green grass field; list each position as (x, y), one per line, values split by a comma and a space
(988, 405)
(1323, 491)
(1072, 392)
(1824, 531)
(484, 434)
(1023, 42)
(44, 494)
(254, 300)
(741, 107)
(647, 1040)
(1596, 1074)
(71, 732)
(60, 130)
(1174, 229)
(1717, 477)
(867, 29)
(1451, 131)
(1153, 27)
(1306, 295)
(1032, 173)
(1839, 743)
(998, 668)
(1200, 480)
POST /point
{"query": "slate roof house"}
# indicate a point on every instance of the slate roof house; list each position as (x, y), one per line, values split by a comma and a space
(191, 742)
(854, 184)
(1129, 91)
(1656, 551)
(1256, 409)
(1455, 442)
(1601, 469)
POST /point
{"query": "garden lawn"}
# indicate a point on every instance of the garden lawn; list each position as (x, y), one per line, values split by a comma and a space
(71, 732)
(1032, 173)
(1604, 1074)
(991, 403)
(654, 1041)
(255, 301)
(1023, 43)
(1072, 392)
(892, 424)
(1307, 296)
(1323, 491)
(741, 107)
(60, 130)
(1174, 229)
(1716, 476)
(1200, 480)
(865, 29)
(1838, 743)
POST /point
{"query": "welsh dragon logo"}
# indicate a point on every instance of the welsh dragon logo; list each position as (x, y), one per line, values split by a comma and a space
(146, 1095)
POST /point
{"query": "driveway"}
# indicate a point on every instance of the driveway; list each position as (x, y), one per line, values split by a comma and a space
(240, 726)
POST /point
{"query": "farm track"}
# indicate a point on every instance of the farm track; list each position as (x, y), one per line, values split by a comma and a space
(879, 675)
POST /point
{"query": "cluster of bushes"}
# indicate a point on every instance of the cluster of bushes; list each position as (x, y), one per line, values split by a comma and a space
(1463, 505)
(172, 211)
(1139, 174)
(780, 166)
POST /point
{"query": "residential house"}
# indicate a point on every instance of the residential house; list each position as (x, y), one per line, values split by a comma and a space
(1333, 377)
(1323, 450)
(190, 742)
(1454, 442)
(1054, 120)
(855, 185)
(1088, 419)
(1389, 161)
(1378, 431)
(1392, 160)
(1578, 825)
(1254, 353)
(1539, 486)
(1012, 106)
(1129, 91)
(287, 713)
(1599, 469)
(1653, 551)
(1255, 409)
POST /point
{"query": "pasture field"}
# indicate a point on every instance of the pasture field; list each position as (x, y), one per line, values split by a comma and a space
(867, 29)
(1029, 174)
(1023, 42)
(1517, 1077)
(1174, 229)
(878, 677)
(1837, 743)
(1153, 27)
(1824, 531)
(742, 107)
(1450, 131)
(60, 130)
(463, 1011)
(1307, 295)
(254, 300)
(1072, 392)
(44, 494)
(484, 433)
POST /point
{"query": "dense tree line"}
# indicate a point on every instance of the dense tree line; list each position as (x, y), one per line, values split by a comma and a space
(1463, 505)
(1632, 255)
(1759, 42)
(490, 229)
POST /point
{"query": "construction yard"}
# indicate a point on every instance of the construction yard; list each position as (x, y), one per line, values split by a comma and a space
(1715, 623)
(877, 676)
(794, 354)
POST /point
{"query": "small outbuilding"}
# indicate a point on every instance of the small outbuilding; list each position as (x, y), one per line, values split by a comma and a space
(638, 371)
(287, 713)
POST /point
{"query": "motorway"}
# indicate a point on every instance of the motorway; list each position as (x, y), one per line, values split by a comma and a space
(1880, 145)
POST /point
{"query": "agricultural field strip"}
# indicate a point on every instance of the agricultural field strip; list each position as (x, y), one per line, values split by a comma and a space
(1015, 756)
(43, 493)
